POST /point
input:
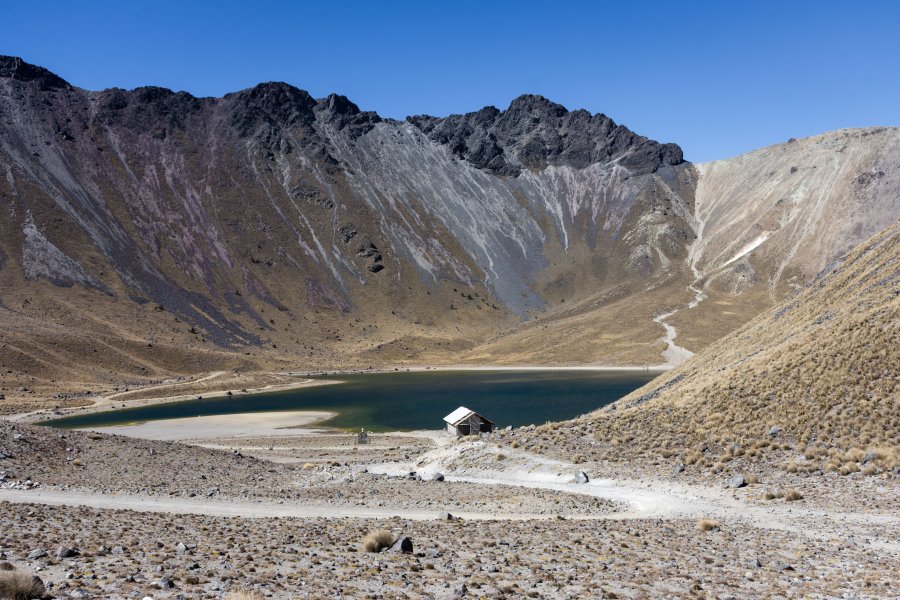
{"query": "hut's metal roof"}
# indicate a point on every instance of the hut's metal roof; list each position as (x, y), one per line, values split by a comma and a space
(463, 413)
(458, 415)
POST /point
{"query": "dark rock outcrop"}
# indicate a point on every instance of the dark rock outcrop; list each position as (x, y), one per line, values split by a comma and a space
(15, 68)
(344, 114)
(535, 132)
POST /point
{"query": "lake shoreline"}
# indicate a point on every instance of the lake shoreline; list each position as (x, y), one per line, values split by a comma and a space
(391, 400)
(657, 369)
(111, 404)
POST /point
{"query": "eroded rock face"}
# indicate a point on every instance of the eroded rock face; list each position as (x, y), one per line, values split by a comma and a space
(166, 197)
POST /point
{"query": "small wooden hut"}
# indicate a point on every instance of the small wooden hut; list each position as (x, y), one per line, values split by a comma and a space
(464, 421)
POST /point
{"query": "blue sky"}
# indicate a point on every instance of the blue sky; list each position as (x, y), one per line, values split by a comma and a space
(718, 78)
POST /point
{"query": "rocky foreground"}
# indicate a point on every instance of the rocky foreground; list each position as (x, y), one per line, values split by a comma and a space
(81, 552)
(484, 519)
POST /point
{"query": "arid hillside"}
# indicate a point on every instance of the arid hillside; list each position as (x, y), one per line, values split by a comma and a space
(811, 384)
(148, 233)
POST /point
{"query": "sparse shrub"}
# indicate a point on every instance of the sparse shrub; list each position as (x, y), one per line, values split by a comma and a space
(707, 524)
(793, 495)
(853, 455)
(693, 457)
(752, 478)
(499, 456)
(377, 541)
(514, 443)
(19, 585)
(309, 466)
(848, 468)
(77, 463)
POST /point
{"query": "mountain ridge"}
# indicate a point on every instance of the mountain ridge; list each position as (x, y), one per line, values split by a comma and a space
(267, 228)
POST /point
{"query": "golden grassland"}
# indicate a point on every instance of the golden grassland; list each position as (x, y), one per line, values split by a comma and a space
(816, 376)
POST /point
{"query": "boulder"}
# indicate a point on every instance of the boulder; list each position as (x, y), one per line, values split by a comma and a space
(165, 584)
(403, 544)
(64, 552)
(437, 477)
(679, 468)
(582, 478)
(774, 431)
(37, 553)
(737, 481)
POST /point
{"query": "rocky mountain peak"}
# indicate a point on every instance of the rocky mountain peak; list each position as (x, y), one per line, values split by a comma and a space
(272, 104)
(13, 67)
(534, 132)
(342, 114)
(536, 105)
(338, 104)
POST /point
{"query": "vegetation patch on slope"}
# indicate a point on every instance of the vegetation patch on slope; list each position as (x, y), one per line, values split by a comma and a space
(810, 386)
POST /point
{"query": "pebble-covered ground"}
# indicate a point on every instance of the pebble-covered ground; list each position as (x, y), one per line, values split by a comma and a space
(121, 554)
(581, 548)
(41, 458)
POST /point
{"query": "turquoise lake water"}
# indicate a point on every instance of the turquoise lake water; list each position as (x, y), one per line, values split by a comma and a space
(410, 400)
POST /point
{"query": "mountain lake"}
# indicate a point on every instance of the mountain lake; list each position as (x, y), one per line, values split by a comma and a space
(397, 401)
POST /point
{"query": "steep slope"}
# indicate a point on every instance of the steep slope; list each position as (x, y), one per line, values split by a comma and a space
(816, 376)
(768, 221)
(273, 223)
(147, 232)
(765, 224)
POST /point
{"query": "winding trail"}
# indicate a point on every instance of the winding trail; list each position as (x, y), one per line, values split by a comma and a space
(675, 354)
(640, 500)
(236, 508)
(649, 499)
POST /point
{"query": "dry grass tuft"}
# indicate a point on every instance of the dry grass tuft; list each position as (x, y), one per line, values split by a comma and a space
(377, 541)
(19, 585)
(707, 524)
(792, 495)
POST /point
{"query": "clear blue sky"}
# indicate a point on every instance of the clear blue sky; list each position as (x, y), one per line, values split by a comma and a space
(719, 78)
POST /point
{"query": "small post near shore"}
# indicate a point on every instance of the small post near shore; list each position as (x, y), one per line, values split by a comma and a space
(362, 437)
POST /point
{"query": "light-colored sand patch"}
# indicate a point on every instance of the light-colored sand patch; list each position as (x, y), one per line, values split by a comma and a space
(471, 367)
(164, 394)
(257, 424)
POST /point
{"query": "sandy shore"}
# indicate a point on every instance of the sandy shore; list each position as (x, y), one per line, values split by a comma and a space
(121, 400)
(657, 369)
(242, 425)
